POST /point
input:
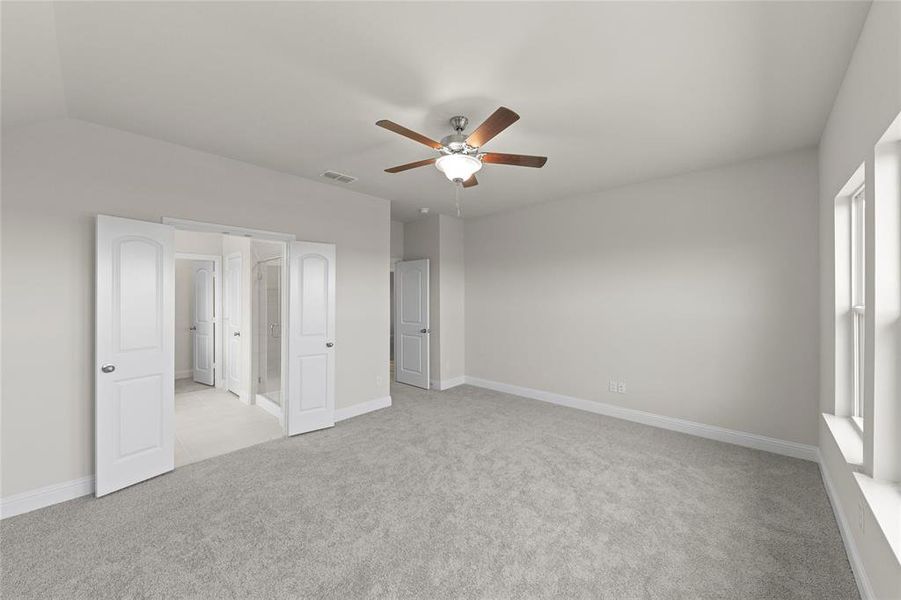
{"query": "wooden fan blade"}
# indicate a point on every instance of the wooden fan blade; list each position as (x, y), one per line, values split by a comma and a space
(493, 125)
(412, 165)
(518, 160)
(471, 181)
(408, 133)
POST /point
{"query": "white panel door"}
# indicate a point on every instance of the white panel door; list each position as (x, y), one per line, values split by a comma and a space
(135, 352)
(233, 314)
(311, 337)
(411, 322)
(202, 326)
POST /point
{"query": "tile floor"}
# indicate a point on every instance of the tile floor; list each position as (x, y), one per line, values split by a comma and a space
(210, 422)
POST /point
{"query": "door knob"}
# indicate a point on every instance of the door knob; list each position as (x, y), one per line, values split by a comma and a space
(329, 344)
(108, 368)
(423, 331)
(237, 334)
(192, 329)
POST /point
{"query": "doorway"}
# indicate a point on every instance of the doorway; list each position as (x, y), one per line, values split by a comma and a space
(135, 397)
(220, 401)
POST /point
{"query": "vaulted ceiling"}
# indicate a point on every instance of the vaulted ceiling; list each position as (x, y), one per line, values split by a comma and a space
(612, 93)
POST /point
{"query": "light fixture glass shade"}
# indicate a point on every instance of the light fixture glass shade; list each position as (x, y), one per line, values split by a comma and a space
(458, 167)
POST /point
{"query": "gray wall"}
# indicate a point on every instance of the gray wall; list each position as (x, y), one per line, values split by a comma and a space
(56, 177)
(452, 297)
(397, 239)
(698, 291)
(440, 239)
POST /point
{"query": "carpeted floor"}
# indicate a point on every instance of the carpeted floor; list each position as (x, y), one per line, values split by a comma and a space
(459, 494)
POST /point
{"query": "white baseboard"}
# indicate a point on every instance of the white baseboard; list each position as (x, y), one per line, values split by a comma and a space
(362, 408)
(721, 434)
(446, 384)
(184, 374)
(24, 502)
(844, 528)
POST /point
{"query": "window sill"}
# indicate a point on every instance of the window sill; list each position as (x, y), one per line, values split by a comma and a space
(848, 438)
(883, 498)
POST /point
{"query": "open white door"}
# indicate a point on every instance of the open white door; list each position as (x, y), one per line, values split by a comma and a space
(233, 314)
(411, 322)
(311, 335)
(135, 352)
(202, 326)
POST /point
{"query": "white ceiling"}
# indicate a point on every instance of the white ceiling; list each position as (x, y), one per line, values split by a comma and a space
(612, 93)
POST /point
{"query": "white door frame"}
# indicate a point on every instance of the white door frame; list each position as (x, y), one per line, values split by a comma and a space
(189, 225)
(218, 364)
(260, 234)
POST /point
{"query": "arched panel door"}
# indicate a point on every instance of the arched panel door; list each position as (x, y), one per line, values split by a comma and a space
(311, 341)
(202, 325)
(135, 352)
(411, 322)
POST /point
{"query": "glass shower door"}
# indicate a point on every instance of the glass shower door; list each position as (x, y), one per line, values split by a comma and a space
(269, 340)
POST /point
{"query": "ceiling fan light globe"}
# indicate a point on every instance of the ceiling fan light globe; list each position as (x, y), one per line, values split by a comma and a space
(458, 167)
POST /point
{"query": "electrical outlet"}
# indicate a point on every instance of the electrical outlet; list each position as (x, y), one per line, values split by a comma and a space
(611, 386)
(621, 387)
(617, 387)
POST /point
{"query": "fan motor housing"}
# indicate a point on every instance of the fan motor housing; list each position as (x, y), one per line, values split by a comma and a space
(456, 142)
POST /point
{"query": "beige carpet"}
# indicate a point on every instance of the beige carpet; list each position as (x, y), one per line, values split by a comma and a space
(458, 494)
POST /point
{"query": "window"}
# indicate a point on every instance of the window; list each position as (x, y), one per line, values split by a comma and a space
(858, 300)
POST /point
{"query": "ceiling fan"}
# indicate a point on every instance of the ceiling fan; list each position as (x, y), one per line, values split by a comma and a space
(460, 155)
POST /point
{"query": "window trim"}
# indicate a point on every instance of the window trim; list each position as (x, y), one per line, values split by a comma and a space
(857, 251)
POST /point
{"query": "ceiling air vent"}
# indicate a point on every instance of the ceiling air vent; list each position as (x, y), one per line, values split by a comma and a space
(339, 177)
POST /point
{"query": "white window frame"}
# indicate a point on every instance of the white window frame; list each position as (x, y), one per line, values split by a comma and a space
(858, 302)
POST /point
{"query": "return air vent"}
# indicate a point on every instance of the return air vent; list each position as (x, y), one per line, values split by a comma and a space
(339, 177)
